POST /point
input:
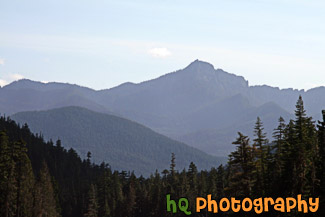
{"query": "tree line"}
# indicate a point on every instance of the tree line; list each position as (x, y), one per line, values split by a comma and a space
(39, 178)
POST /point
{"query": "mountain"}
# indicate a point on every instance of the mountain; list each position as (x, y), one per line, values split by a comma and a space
(217, 140)
(124, 144)
(175, 93)
(198, 105)
(27, 95)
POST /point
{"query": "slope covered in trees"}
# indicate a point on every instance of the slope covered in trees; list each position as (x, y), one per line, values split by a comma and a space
(292, 164)
(124, 144)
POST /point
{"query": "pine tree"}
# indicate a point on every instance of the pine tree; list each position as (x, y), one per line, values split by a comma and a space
(278, 148)
(183, 185)
(259, 153)
(92, 210)
(116, 194)
(321, 162)
(44, 203)
(172, 165)
(241, 168)
(212, 182)
(269, 171)
(304, 147)
(172, 176)
(192, 174)
(202, 186)
(104, 209)
(130, 199)
(7, 178)
(289, 156)
(155, 195)
(25, 181)
(221, 182)
(88, 158)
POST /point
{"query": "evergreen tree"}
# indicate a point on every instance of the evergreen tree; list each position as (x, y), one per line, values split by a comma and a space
(92, 210)
(321, 159)
(321, 139)
(155, 196)
(212, 182)
(192, 174)
(44, 203)
(25, 181)
(321, 162)
(289, 156)
(130, 198)
(304, 146)
(241, 168)
(88, 158)
(269, 171)
(172, 165)
(117, 194)
(278, 148)
(104, 199)
(7, 178)
(221, 181)
(172, 176)
(259, 153)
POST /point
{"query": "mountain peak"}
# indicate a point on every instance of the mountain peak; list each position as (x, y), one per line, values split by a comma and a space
(199, 65)
(22, 83)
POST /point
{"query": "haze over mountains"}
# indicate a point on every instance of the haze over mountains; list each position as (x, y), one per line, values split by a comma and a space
(124, 144)
(199, 105)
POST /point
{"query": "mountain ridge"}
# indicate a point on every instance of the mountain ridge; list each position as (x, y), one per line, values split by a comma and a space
(124, 144)
(184, 102)
(132, 83)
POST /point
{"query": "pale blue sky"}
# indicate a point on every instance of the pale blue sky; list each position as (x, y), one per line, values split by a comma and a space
(102, 43)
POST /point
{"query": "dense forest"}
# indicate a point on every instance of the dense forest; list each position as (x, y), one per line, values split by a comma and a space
(125, 144)
(39, 178)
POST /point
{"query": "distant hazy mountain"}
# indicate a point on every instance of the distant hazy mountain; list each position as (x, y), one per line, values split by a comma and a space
(217, 139)
(124, 144)
(199, 105)
(27, 95)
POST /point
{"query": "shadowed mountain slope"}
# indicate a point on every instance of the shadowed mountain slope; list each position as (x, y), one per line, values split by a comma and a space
(124, 144)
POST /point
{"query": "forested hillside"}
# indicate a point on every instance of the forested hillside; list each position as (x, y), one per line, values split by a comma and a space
(38, 178)
(124, 144)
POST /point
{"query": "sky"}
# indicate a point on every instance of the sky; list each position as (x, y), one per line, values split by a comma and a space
(103, 43)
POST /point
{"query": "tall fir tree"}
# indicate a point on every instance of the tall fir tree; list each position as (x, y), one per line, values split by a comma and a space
(173, 165)
(92, 207)
(221, 181)
(304, 150)
(104, 199)
(241, 168)
(172, 175)
(279, 148)
(25, 181)
(321, 162)
(7, 178)
(44, 202)
(259, 154)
